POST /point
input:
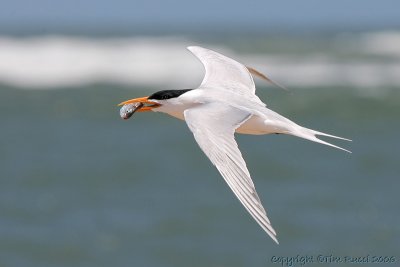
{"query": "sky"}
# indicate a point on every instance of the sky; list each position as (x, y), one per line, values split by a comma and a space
(207, 15)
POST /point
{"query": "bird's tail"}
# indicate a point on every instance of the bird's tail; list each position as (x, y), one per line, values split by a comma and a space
(312, 136)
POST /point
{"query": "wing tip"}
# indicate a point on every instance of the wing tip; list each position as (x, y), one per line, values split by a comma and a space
(261, 75)
(271, 232)
(273, 236)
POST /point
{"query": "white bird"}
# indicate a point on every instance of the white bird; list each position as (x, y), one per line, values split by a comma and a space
(225, 103)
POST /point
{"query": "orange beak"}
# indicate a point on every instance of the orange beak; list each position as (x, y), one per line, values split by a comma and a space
(149, 105)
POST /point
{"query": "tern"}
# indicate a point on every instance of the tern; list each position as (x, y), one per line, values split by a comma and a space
(225, 103)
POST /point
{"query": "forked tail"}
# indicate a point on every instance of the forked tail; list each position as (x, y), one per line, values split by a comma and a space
(312, 136)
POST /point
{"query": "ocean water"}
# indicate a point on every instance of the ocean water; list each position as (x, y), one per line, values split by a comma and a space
(81, 187)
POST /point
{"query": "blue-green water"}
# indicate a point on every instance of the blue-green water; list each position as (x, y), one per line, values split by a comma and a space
(81, 187)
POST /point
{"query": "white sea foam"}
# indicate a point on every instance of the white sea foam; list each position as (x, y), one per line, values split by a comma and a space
(65, 61)
(59, 61)
(383, 43)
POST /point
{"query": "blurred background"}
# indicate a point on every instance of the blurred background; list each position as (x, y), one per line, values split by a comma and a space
(81, 187)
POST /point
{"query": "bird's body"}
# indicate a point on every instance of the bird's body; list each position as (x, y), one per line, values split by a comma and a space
(223, 104)
(261, 120)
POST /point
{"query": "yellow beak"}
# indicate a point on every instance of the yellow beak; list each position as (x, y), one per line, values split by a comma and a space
(149, 105)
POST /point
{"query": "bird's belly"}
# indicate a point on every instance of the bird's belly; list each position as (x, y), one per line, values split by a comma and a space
(255, 125)
(174, 111)
(258, 125)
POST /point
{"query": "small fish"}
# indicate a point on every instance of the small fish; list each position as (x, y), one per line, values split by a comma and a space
(127, 110)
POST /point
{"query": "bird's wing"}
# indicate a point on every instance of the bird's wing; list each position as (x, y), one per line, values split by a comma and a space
(213, 126)
(223, 72)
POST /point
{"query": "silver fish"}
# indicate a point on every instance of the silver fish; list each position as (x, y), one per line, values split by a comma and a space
(127, 110)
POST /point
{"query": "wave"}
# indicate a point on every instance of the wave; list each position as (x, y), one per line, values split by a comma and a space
(363, 60)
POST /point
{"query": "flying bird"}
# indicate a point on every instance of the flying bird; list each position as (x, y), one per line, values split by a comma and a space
(225, 103)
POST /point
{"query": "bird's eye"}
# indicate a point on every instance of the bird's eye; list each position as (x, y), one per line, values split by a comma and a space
(165, 97)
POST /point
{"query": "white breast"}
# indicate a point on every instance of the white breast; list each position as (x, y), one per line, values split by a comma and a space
(173, 107)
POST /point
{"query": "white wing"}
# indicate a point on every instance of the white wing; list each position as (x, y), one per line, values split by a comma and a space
(213, 126)
(223, 72)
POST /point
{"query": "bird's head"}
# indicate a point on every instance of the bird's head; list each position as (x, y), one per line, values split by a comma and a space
(155, 100)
